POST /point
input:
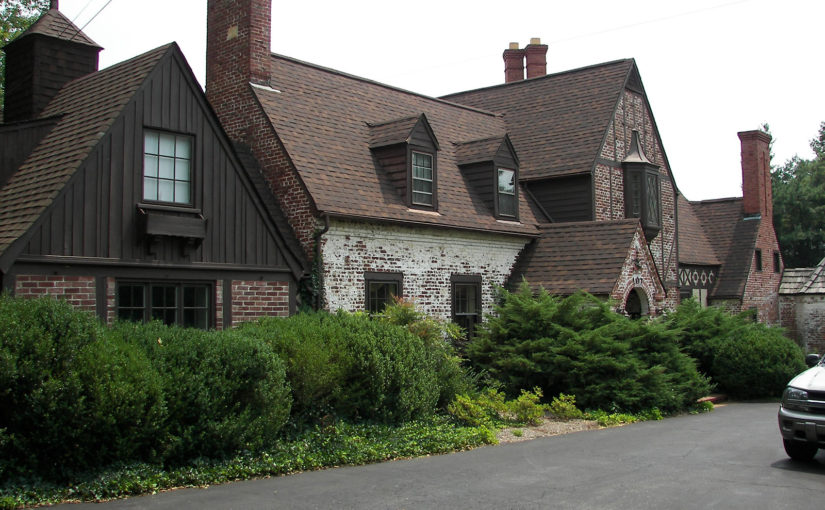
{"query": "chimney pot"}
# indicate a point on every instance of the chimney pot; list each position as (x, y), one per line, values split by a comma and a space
(513, 46)
(535, 40)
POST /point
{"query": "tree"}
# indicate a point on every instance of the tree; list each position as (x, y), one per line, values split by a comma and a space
(799, 206)
(15, 17)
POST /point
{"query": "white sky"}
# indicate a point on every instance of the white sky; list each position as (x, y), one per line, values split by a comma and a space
(711, 68)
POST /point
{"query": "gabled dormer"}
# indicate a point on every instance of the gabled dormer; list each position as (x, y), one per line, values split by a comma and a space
(642, 194)
(407, 152)
(492, 168)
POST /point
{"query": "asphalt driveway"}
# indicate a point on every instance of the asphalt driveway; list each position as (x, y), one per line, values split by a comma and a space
(730, 458)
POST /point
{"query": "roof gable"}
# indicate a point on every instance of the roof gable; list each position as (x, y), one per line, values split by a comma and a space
(694, 245)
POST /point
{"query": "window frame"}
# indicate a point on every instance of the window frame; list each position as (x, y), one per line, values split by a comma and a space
(457, 280)
(192, 177)
(411, 179)
(637, 185)
(381, 278)
(147, 306)
(498, 193)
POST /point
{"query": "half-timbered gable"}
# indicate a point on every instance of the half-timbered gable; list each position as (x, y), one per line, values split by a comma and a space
(132, 202)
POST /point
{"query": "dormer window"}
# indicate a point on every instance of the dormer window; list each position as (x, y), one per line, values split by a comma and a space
(642, 191)
(167, 167)
(422, 179)
(506, 193)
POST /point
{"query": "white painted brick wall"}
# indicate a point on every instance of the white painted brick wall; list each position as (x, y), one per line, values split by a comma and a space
(426, 256)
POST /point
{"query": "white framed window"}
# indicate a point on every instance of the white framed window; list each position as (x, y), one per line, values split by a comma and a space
(506, 184)
(422, 179)
(167, 167)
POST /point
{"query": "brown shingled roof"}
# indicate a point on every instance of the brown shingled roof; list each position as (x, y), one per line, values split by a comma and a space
(54, 24)
(804, 280)
(734, 238)
(577, 256)
(86, 109)
(323, 118)
(556, 122)
(694, 246)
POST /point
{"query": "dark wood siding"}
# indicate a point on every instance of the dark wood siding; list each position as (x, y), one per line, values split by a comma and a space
(393, 163)
(565, 198)
(481, 180)
(16, 143)
(96, 215)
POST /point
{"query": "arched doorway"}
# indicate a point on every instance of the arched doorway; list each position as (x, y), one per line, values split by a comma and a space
(636, 306)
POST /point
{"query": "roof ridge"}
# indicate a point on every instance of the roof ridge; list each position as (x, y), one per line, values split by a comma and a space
(713, 200)
(815, 274)
(539, 78)
(379, 84)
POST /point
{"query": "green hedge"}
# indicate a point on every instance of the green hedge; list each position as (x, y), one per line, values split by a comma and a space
(577, 345)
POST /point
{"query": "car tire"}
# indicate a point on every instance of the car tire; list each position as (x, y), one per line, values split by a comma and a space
(798, 450)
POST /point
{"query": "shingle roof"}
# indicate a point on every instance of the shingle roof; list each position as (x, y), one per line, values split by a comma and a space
(54, 24)
(568, 257)
(694, 246)
(86, 108)
(804, 280)
(734, 238)
(556, 122)
(323, 118)
(478, 151)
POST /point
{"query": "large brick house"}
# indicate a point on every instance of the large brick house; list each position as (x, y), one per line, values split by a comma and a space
(120, 192)
(433, 199)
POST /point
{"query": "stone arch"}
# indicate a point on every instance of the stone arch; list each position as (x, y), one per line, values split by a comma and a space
(636, 304)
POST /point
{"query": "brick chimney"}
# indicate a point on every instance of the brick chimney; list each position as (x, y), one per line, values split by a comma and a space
(238, 38)
(757, 195)
(40, 61)
(513, 63)
(536, 54)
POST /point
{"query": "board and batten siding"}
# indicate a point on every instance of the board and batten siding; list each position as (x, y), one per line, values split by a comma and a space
(96, 215)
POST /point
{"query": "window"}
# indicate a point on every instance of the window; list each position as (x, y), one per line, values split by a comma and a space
(507, 204)
(422, 179)
(777, 262)
(167, 167)
(643, 198)
(758, 257)
(381, 289)
(466, 294)
(185, 304)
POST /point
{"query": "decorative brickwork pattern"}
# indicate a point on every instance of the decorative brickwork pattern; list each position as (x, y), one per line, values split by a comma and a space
(426, 257)
(78, 291)
(762, 287)
(252, 299)
(639, 272)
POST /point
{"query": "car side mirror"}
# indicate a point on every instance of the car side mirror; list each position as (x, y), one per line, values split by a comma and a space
(811, 359)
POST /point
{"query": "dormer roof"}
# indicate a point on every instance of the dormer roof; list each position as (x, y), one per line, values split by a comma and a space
(478, 151)
(54, 24)
(399, 131)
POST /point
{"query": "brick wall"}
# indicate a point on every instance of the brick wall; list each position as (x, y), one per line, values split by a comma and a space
(252, 299)
(631, 114)
(639, 272)
(762, 287)
(79, 291)
(803, 316)
(426, 257)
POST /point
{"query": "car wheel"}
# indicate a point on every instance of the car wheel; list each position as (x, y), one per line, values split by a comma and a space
(798, 450)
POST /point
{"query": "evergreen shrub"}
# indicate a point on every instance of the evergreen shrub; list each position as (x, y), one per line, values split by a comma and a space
(577, 345)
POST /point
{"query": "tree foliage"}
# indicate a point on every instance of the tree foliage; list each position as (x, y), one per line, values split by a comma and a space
(799, 206)
(15, 17)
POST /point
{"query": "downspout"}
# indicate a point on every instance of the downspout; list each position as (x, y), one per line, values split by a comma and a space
(319, 268)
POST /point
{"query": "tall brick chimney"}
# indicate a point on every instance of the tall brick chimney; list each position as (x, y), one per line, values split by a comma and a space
(513, 63)
(757, 194)
(238, 38)
(536, 54)
(40, 61)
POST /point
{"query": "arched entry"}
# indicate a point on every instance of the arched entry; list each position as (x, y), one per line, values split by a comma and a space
(636, 306)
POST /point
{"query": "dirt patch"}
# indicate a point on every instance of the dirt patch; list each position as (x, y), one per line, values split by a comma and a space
(547, 427)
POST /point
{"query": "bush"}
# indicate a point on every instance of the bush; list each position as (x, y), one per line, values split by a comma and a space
(564, 407)
(745, 359)
(225, 392)
(71, 397)
(756, 362)
(577, 345)
(490, 408)
(353, 367)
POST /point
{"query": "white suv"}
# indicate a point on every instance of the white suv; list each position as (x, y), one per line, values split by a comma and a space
(802, 411)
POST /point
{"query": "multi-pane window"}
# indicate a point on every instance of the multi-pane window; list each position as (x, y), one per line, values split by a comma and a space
(167, 167)
(381, 289)
(507, 193)
(184, 304)
(466, 295)
(652, 191)
(643, 198)
(422, 179)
